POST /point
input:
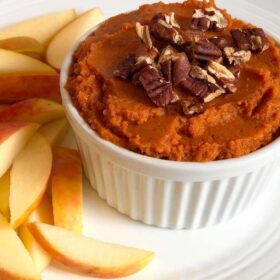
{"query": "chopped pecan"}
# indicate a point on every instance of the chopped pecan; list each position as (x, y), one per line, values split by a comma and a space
(163, 95)
(241, 39)
(143, 50)
(223, 76)
(202, 23)
(165, 62)
(195, 87)
(235, 56)
(221, 43)
(213, 89)
(192, 106)
(250, 39)
(181, 68)
(209, 19)
(143, 33)
(201, 74)
(204, 50)
(190, 35)
(258, 39)
(170, 19)
(159, 90)
(164, 30)
(124, 69)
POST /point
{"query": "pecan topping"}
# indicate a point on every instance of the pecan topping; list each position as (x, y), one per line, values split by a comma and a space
(181, 68)
(144, 52)
(192, 106)
(221, 43)
(250, 39)
(223, 76)
(143, 33)
(187, 58)
(213, 89)
(159, 90)
(190, 36)
(163, 30)
(241, 39)
(165, 62)
(235, 56)
(205, 50)
(170, 19)
(124, 69)
(209, 19)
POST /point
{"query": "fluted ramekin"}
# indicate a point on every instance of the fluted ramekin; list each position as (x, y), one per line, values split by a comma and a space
(168, 194)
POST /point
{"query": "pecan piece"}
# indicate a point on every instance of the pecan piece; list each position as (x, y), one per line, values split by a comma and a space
(258, 39)
(235, 56)
(170, 19)
(213, 89)
(190, 35)
(181, 68)
(159, 90)
(143, 33)
(221, 43)
(192, 106)
(165, 62)
(209, 19)
(241, 39)
(204, 50)
(163, 30)
(250, 39)
(124, 69)
(195, 87)
(223, 76)
(143, 50)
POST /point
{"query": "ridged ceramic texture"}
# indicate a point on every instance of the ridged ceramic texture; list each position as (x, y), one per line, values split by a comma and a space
(168, 203)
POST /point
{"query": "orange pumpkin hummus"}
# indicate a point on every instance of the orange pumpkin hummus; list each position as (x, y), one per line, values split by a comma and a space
(121, 112)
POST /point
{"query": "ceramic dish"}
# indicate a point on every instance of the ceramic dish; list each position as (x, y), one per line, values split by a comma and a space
(165, 193)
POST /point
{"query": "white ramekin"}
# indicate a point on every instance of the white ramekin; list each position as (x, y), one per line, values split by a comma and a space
(168, 194)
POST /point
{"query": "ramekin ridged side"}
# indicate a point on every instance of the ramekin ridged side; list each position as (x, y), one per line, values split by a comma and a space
(169, 203)
(163, 193)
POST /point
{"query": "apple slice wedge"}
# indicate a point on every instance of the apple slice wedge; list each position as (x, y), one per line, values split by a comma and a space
(17, 63)
(29, 178)
(25, 45)
(41, 28)
(33, 110)
(5, 194)
(67, 189)
(43, 214)
(15, 262)
(55, 131)
(13, 137)
(63, 40)
(19, 87)
(89, 256)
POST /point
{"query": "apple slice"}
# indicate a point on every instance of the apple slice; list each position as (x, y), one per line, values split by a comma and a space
(4, 195)
(41, 28)
(19, 87)
(55, 131)
(67, 189)
(33, 110)
(29, 178)
(62, 41)
(17, 63)
(15, 262)
(89, 256)
(24, 45)
(42, 214)
(13, 137)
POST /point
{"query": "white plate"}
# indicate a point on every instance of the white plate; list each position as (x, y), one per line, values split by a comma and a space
(247, 248)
